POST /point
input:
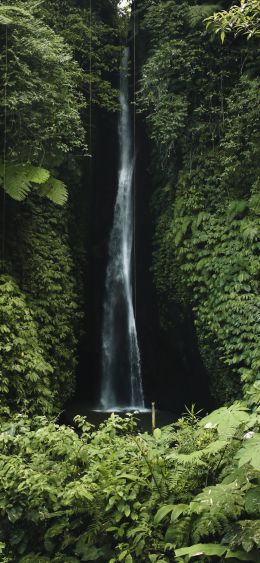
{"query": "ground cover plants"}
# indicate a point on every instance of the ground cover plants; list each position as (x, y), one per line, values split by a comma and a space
(187, 492)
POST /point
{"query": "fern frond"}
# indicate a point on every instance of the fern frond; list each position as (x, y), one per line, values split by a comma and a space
(236, 209)
(37, 175)
(214, 507)
(249, 230)
(178, 533)
(209, 525)
(55, 190)
(182, 227)
(18, 179)
(199, 13)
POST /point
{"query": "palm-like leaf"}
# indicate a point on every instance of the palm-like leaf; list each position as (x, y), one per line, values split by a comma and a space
(55, 190)
(19, 179)
(198, 13)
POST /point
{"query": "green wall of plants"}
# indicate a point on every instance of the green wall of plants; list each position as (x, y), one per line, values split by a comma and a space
(199, 97)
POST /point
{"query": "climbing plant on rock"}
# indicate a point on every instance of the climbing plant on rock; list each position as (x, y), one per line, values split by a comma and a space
(200, 102)
(25, 381)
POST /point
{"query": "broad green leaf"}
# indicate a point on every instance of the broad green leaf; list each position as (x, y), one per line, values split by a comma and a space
(201, 549)
(242, 555)
(162, 512)
(177, 510)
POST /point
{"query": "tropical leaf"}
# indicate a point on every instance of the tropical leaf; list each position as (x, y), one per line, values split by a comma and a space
(17, 179)
(55, 190)
(201, 549)
(250, 453)
(162, 512)
(226, 419)
(242, 556)
(177, 510)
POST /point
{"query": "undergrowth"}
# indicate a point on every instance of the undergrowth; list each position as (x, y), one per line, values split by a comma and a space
(188, 492)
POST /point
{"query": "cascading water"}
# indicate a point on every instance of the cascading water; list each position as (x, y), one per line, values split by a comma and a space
(121, 367)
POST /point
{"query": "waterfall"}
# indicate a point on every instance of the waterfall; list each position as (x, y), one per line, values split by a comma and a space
(121, 366)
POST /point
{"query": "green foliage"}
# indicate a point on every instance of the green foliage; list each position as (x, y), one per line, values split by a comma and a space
(223, 276)
(207, 217)
(199, 12)
(45, 268)
(243, 19)
(95, 42)
(40, 108)
(41, 323)
(114, 494)
(19, 179)
(25, 374)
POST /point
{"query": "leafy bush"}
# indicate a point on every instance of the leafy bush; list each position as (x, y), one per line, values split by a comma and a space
(113, 494)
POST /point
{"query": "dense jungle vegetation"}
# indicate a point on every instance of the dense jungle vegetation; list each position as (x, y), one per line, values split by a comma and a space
(189, 491)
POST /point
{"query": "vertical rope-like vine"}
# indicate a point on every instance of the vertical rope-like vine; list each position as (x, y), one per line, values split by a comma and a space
(134, 142)
(90, 76)
(5, 145)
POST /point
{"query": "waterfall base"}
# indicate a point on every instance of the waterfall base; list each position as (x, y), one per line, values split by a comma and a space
(124, 409)
(96, 417)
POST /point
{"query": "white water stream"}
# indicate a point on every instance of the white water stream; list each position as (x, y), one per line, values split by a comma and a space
(121, 386)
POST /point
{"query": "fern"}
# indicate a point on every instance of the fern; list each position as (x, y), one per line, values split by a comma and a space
(198, 457)
(198, 13)
(178, 533)
(214, 507)
(249, 230)
(19, 179)
(237, 208)
(55, 190)
(254, 203)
